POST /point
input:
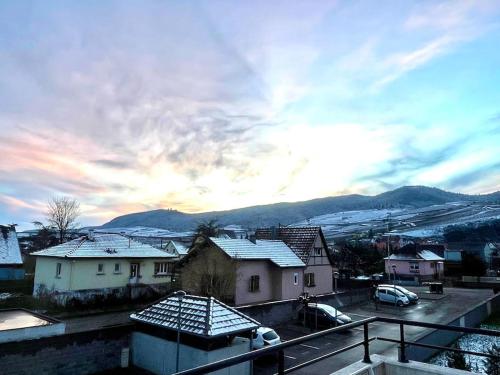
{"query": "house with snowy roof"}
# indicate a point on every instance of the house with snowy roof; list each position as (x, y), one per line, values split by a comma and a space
(177, 248)
(248, 271)
(11, 261)
(101, 264)
(309, 244)
(415, 262)
(202, 329)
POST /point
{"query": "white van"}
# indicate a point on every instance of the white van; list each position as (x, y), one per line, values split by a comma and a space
(391, 295)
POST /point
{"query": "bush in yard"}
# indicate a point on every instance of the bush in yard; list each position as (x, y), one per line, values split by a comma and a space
(457, 360)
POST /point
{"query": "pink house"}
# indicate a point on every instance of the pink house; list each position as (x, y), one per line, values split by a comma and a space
(244, 271)
(410, 262)
(309, 244)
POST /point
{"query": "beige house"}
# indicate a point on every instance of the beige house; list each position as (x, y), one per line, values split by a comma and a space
(101, 264)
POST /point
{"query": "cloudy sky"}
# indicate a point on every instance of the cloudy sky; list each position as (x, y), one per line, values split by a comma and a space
(211, 105)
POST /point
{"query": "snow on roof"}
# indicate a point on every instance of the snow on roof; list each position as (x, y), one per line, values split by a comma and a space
(275, 251)
(9, 246)
(429, 255)
(180, 247)
(200, 316)
(104, 246)
(421, 255)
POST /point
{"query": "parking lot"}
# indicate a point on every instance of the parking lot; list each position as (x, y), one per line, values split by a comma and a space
(431, 308)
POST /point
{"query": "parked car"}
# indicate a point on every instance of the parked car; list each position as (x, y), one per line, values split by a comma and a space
(391, 295)
(326, 315)
(412, 297)
(265, 336)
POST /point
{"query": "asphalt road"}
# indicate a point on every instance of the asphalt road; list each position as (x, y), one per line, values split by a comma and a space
(431, 308)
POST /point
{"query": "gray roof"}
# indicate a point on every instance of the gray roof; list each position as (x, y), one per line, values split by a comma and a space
(104, 246)
(180, 247)
(200, 316)
(421, 255)
(9, 246)
(275, 251)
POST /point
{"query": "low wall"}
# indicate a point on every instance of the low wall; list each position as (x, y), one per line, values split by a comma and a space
(472, 318)
(278, 312)
(78, 353)
(162, 361)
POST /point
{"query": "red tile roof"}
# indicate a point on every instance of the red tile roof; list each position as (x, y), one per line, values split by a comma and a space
(299, 239)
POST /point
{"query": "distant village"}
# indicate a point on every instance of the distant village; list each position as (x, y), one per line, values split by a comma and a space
(131, 263)
(209, 291)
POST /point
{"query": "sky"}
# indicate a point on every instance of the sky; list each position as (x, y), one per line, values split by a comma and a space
(130, 106)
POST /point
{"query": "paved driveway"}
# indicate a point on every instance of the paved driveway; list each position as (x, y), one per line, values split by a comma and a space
(431, 308)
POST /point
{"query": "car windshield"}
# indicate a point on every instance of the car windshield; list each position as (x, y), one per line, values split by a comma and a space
(271, 335)
(403, 290)
(330, 310)
(400, 294)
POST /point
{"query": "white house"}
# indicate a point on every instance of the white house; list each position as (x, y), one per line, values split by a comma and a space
(176, 248)
(101, 264)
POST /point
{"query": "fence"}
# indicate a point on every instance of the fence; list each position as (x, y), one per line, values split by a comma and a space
(403, 345)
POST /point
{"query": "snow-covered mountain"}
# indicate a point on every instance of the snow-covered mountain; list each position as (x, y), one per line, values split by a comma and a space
(402, 201)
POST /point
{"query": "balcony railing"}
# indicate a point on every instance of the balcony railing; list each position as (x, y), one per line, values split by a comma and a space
(403, 344)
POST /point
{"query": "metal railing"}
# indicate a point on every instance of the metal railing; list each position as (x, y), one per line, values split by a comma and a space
(403, 344)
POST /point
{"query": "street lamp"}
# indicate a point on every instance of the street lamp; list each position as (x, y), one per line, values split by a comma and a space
(180, 294)
(394, 284)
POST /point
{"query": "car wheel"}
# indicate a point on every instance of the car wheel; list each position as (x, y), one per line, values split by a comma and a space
(400, 303)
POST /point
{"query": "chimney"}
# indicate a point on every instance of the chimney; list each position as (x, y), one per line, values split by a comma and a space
(274, 233)
(252, 238)
(90, 236)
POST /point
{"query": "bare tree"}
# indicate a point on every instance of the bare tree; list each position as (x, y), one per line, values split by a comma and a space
(62, 213)
(210, 273)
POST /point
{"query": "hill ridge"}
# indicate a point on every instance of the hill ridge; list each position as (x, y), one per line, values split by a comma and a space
(292, 212)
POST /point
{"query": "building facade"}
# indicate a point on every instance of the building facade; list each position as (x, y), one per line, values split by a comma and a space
(309, 244)
(249, 271)
(101, 265)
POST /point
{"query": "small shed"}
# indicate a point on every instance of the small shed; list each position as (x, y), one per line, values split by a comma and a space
(208, 331)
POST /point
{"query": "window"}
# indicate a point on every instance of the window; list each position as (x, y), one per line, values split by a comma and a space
(254, 283)
(317, 251)
(414, 267)
(58, 269)
(309, 279)
(163, 268)
(295, 278)
(100, 269)
(118, 268)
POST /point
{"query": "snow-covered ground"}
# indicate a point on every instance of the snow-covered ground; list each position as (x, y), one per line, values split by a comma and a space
(475, 343)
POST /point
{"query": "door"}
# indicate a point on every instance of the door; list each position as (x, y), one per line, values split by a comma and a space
(391, 296)
(134, 270)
